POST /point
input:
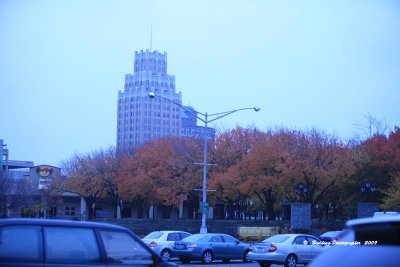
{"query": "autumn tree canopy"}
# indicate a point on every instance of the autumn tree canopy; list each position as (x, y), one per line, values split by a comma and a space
(162, 172)
(85, 177)
(266, 166)
(255, 171)
(391, 190)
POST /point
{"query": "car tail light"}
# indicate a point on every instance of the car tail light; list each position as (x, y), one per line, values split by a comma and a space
(153, 244)
(191, 246)
(272, 248)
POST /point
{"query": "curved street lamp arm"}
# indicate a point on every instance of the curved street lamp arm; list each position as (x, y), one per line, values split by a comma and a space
(206, 116)
(153, 95)
(226, 113)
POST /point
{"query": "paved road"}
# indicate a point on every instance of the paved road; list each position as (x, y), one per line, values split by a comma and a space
(220, 264)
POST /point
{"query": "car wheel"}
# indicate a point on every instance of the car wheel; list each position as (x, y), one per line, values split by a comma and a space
(184, 260)
(264, 264)
(246, 256)
(207, 257)
(291, 261)
(166, 254)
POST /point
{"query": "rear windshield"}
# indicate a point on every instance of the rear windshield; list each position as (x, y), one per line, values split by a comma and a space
(153, 235)
(277, 239)
(197, 237)
(378, 233)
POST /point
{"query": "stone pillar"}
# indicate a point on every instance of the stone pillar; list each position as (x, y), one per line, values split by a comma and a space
(151, 212)
(366, 209)
(118, 212)
(300, 216)
(181, 208)
(210, 213)
(83, 209)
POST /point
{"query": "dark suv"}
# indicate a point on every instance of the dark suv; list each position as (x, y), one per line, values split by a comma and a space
(58, 243)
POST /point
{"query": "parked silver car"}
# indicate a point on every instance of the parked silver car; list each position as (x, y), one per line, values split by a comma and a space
(209, 247)
(162, 241)
(287, 249)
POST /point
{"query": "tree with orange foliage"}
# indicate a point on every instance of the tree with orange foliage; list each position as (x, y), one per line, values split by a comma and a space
(378, 161)
(391, 202)
(265, 167)
(162, 172)
(265, 182)
(134, 185)
(391, 163)
(108, 166)
(321, 163)
(85, 179)
(230, 149)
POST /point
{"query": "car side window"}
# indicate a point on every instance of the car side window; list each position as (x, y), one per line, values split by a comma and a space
(70, 245)
(313, 241)
(123, 248)
(173, 237)
(216, 238)
(21, 243)
(229, 239)
(300, 240)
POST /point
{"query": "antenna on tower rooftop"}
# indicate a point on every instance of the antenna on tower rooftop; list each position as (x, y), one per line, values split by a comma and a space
(151, 35)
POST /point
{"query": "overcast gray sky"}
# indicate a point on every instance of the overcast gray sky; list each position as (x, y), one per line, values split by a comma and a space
(307, 64)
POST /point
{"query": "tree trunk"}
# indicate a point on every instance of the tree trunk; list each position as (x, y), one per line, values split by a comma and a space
(230, 209)
(271, 212)
(166, 212)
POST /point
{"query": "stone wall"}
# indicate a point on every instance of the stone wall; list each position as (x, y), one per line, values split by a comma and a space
(142, 227)
(366, 209)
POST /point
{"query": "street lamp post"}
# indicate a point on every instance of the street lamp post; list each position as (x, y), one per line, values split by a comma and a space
(301, 189)
(206, 118)
(367, 188)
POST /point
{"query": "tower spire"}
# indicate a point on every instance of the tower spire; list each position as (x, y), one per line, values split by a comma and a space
(151, 35)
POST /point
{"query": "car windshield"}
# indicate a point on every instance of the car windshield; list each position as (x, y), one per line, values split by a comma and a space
(196, 238)
(153, 235)
(277, 239)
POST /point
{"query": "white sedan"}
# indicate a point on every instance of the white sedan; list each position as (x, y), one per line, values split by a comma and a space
(287, 249)
(162, 241)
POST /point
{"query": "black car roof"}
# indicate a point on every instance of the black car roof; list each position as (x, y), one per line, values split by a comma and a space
(56, 222)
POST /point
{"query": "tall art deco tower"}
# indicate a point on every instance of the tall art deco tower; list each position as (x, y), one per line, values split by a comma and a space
(141, 118)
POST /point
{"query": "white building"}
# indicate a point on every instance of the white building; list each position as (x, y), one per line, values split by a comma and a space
(141, 118)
